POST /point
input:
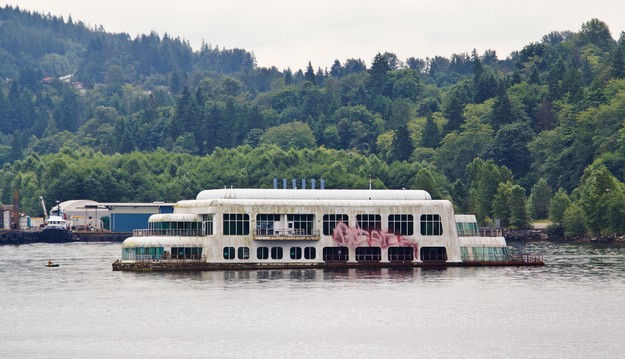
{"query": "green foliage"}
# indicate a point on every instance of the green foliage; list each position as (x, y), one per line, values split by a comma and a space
(290, 135)
(558, 205)
(574, 221)
(510, 206)
(555, 110)
(539, 199)
(484, 179)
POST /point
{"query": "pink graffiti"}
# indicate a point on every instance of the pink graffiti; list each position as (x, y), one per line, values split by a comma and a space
(343, 235)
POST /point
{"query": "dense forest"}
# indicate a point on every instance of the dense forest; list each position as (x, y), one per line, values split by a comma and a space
(538, 135)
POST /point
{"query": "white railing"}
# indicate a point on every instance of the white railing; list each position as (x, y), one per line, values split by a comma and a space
(167, 232)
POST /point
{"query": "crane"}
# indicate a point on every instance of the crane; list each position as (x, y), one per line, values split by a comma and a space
(45, 211)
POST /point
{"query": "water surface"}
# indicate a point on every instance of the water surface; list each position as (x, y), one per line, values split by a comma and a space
(570, 308)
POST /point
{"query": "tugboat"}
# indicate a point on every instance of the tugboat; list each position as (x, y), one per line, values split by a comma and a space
(55, 230)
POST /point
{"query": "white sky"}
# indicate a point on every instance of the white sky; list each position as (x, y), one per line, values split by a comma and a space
(289, 33)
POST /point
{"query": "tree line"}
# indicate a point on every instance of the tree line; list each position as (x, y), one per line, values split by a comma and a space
(500, 137)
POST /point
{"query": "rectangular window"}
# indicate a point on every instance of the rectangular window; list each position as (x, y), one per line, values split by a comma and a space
(236, 224)
(262, 253)
(331, 220)
(400, 254)
(207, 224)
(433, 254)
(276, 252)
(265, 223)
(335, 254)
(302, 224)
(368, 254)
(467, 229)
(431, 225)
(243, 253)
(186, 253)
(296, 252)
(369, 222)
(310, 253)
(401, 224)
(228, 252)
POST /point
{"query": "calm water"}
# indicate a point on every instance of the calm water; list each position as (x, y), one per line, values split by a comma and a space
(574, 307)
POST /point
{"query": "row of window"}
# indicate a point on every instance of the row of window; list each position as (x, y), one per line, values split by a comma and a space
(339, 254)
(273, 253)
(330, 254)
(269, 224)
(484, 254)
(158, 253)
(238, 224)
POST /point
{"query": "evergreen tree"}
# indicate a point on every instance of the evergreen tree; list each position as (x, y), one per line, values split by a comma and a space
(558, 205)
(519, 211)
(378, 75)
(453, 106)
(502, 109)
(539, 199)
(425, 181)
(310, 74)
(430, 137)
(401, 147)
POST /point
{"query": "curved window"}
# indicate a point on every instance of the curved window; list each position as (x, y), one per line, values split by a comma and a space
(431, 225)
(310, 253)
(228, 252)
(276, 253)
(243, 253)
(433, 254)
(236, 224)
(369, 222)
(400, 254)
(368, 254)
(401, 224)
(296, 253)
(335, 254)
(262, 253)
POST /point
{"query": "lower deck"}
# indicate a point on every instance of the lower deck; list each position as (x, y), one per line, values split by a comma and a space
(198, 265)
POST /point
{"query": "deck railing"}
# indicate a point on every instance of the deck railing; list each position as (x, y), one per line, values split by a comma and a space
(287, 233)
(167, 232)
(491, 232)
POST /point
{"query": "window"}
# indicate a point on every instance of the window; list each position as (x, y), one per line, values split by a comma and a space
(276, 252)
(236, 224)
(302, 223)
(400, 254)
(265, 223)
(431, 225)
(207, 224)
(174, 228)
(228, 252)
(467, 229)
(331, 220)
(262, 253)
(310, 253)
(369, 222)
(401, 224)
(368, 254)
(186, 252)
(433, 254)
(335, 254)
(243, 253)
(296, 252)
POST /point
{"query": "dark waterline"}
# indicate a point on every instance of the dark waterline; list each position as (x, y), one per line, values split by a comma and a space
(570, 308)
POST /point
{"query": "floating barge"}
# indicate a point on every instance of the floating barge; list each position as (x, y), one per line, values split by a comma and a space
(252, 229)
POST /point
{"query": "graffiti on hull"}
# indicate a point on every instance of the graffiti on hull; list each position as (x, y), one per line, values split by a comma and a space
(346, 236)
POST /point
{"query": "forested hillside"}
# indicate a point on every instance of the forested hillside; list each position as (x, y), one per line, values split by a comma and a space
(90, 114)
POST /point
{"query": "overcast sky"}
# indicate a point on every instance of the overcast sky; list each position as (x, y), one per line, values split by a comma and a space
(289, 33)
